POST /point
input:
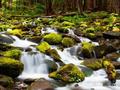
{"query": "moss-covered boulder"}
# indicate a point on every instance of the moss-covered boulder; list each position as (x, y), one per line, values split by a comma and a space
(68, 74)
(6, 81)
(94, 64)
(54, 54)
(16, 32)
(68, 42)
(43, 47)
(14, 53)
(53, 38)
(10, 67)
(87, 49)
(110, 70)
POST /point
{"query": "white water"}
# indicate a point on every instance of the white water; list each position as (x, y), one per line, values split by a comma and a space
(34, 65)
(48, 30)
(68, 57)
(22, 43)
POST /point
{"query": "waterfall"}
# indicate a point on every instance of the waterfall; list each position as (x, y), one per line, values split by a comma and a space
(68, 57)
(34, 65)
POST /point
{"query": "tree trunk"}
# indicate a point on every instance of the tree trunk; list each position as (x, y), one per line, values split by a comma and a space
(0, 3)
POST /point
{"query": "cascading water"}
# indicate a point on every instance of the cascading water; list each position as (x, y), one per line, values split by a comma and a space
(22, 43)
(34, 65)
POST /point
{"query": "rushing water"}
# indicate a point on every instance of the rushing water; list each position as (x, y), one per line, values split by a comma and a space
(35, 67)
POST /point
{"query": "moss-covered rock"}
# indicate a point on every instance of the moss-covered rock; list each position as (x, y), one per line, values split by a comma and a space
(94, 64)
(87, 49)
(67, 24)
(68, 74)
(10, 67)
(62, 29)
(53, 38)
(68, 42)
(6, 81)
(110, 70)
(14, 53)
(16, 32)
(43, 47)
(91, 36)
(54, 54)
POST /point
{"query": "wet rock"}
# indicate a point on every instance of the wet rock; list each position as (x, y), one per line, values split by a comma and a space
(6, 81)
(28, 49)
(41, 84)
(6, 39)
(111, 35)
(10, 67)
(68, 73)
(52, 66)
(28, 81)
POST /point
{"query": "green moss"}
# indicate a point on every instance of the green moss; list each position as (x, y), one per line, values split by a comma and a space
(68, 42)
(87, 46)
(16, 32)
(90, 35)
(68, 73)
(54, 54)
(53, 38)
(67, 24)
(15, 53)
(43, 47)
(10, 67)
(6, 82)
(93, 64)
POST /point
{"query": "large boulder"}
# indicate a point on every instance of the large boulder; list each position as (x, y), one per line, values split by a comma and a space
(10, 67)
(68, 73)
(6, 81)
(41, 84)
